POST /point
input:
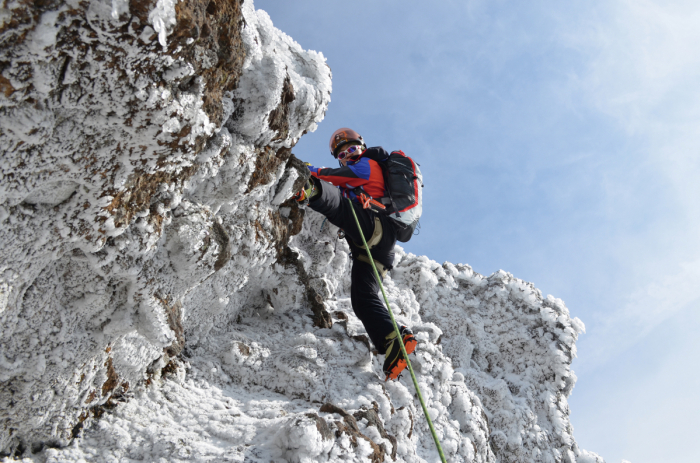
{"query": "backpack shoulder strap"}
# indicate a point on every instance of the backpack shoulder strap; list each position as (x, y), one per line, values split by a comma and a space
(376, 153)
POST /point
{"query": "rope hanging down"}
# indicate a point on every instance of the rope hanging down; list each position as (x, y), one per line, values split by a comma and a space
(398, 335)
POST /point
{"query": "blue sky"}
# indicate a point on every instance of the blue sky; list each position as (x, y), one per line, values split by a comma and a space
(559, 141)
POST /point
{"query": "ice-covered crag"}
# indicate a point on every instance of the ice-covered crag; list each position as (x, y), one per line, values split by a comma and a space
(267, 384)
(162, 299)
(143, 144)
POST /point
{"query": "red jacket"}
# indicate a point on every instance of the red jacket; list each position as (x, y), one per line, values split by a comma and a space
(365, 173)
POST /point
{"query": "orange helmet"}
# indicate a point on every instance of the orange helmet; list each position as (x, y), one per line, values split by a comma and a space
(343, 136)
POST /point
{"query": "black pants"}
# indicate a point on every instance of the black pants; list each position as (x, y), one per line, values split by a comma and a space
(364, 292)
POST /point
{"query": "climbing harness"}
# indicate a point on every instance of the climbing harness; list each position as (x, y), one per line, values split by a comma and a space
(371, 243)
(376, 235)
(380, 267)
(398, 334)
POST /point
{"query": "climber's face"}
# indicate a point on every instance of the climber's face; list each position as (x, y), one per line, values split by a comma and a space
(344, 161)
(348, 158)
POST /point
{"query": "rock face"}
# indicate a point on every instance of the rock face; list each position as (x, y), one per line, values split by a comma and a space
(142, 145)
(161, 297)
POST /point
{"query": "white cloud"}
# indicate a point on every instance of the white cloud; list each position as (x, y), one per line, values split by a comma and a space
(653, 301)
(641, 54)
(642, 70)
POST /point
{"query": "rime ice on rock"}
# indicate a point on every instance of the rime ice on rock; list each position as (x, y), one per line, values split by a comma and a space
(162, 298)
(127, 185)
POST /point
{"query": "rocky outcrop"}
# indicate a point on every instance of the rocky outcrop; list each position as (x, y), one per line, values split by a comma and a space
(141, 143)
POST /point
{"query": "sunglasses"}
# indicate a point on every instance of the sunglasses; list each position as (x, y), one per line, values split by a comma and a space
(348, 152)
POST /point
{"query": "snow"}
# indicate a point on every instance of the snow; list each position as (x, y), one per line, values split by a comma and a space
(119, 7)
(45, 33)
(91, 301)
(162, 17)
(246, 393)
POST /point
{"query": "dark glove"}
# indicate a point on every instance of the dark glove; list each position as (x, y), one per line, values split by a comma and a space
(306, 193)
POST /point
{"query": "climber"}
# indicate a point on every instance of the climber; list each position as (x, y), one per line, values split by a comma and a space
(361, 179)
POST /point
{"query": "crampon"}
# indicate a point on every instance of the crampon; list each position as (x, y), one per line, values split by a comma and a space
(395, 362)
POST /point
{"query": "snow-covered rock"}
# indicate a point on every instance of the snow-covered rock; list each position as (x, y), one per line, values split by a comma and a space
(161, 297)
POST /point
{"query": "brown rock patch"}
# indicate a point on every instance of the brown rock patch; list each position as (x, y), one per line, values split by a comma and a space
(349, 427)
(215, 26)
(112, 378)
(279, 117)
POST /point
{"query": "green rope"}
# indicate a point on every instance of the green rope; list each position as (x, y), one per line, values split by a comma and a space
(398, 335)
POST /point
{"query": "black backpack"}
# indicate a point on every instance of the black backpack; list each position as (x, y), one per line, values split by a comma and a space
(403, 182)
